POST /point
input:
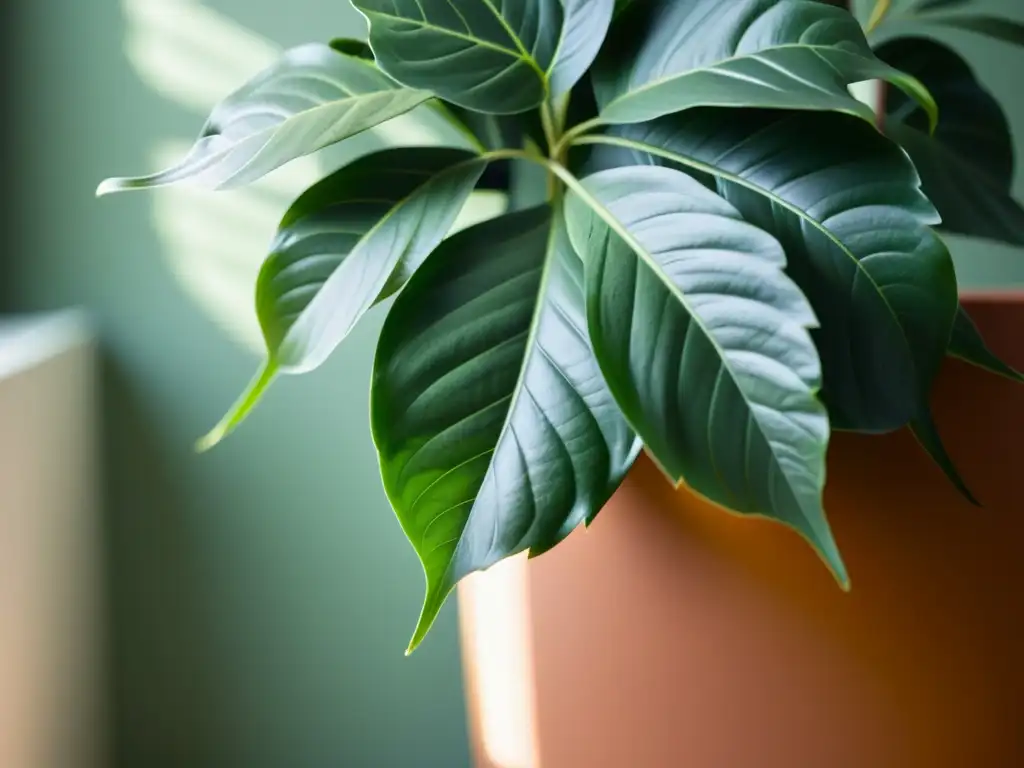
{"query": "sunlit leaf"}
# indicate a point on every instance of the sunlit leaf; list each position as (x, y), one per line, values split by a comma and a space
(495, 56)
(880, 282)
(349, 242)
(793, 54)
(704, 342)
(495, 430)
(312, 97)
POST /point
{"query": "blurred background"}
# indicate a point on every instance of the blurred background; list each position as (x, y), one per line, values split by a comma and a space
(256, 599)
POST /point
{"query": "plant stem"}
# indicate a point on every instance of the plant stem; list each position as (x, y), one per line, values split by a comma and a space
(573, 133)
(878, 14)
(551, 134)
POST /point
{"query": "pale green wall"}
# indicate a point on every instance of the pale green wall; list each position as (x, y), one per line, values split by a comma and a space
(262, 594)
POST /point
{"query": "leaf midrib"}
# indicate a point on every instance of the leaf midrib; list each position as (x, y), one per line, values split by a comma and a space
(739, 180)
(390, 214)
(616, 226)
(438, 589)
(521, 54)
(651, 84)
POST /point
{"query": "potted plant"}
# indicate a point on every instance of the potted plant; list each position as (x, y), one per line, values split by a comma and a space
(725, 261)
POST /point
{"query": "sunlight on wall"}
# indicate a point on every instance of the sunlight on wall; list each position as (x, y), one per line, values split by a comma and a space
(494, 615)
(214, 242)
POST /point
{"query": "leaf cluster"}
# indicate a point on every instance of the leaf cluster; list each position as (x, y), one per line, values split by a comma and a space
(710, 250)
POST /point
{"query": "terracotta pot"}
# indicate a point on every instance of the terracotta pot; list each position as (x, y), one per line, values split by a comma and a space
(671, 634)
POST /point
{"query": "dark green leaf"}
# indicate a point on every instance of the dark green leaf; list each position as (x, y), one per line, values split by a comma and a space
(925, 430)
(349, 242)
(930, 6)
(495, 430)
(967, 166)
(312, 97)
(792, 54)
(995, 27)
(881, 283)
(967, 344)
(703, 341)
(496, 56)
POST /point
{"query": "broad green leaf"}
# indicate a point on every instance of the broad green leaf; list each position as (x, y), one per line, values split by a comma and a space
(347, 243)
(967, 344)
(880, 282)
(790, 54)
(495, 430)
(995, 27)
(704, 342)
(495, 56)
(967, 166)
(312, 97)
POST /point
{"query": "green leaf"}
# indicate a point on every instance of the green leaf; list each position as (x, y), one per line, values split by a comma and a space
(495, 430)
(880, 282)
(495, 56)
(925, 430)
(704, 342)
(791, 54)
(930, 6)
(995, 27)
(967, 166)
(312, 97)
(347, 243)
(967, 344)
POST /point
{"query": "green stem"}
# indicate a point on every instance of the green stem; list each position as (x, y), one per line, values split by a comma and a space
(574, 133)
(241, 408)
(878, 14)
(551, 134)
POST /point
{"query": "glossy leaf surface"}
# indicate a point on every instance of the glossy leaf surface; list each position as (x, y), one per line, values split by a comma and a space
(314, 96)
(495, 429)
(792, 54)
(495, 56)
(349, 242)
(967, 166)
(704, 342)
(881, 283)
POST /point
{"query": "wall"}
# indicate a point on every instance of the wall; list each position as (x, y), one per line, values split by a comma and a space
(262, 594)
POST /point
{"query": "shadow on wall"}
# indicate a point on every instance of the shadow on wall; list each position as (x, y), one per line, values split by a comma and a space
(155, 638)
(9, 214)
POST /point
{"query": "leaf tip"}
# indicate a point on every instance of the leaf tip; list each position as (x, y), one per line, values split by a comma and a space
(234, 417)
(211, 439)
(109, 187)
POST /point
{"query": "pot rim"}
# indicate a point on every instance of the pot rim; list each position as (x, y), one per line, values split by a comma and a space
(992, 296)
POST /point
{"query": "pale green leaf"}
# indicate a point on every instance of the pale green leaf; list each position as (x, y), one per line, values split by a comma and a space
(349, 242)
(880, 282)
(494, 56)
(790, 54)
(704, 342)
(314, 96)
